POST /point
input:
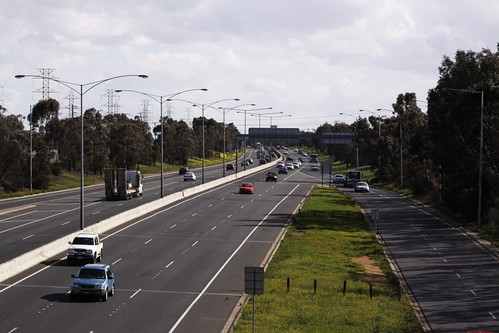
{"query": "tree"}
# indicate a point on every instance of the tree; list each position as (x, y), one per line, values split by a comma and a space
(454, 127)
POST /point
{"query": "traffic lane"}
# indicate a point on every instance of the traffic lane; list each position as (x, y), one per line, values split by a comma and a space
(211, 312)
(451, 276)
(123, 277)
(55, 216)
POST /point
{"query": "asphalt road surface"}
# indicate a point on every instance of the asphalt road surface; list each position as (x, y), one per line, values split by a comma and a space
(453, 277)
(32, 221)
(180, 269)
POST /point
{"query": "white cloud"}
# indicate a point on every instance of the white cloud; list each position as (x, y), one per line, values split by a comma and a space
(312, 59)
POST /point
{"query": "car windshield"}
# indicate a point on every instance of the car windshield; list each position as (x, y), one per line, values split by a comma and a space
(83, 241)
(90, 273)
(246, 185)
(362, 184)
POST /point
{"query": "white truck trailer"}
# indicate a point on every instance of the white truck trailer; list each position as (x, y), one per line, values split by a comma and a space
(122, 184)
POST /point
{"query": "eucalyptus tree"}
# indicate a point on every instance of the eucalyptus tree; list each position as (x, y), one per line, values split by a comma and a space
(461, 139)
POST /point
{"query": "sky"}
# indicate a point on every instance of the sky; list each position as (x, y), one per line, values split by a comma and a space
(310, 61)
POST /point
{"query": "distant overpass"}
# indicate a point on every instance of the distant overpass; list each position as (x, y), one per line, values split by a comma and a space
(291, 136)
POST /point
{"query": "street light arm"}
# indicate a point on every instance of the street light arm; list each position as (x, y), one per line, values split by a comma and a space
(96, 83)
(181, 92)
(71, 85)
(156, 98)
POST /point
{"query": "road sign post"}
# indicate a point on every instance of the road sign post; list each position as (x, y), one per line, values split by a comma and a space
(253, 284)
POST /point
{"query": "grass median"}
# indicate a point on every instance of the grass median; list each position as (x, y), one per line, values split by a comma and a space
(329, 275)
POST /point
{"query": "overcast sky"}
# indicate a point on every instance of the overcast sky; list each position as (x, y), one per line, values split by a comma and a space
(311, 59)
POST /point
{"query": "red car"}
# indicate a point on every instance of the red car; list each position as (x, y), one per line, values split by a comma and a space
(229, 166)
(247, 188)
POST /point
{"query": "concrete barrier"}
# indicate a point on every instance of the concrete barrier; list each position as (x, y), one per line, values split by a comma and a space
(34, 257)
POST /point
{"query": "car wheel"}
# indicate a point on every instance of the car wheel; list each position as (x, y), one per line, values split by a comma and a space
(99, 258)
(70, 262)
(94, 258)
(112, 291)
(72, 296)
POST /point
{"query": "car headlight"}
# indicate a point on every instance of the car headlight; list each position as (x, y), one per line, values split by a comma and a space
(88, 252)
(71, 251)
(75, 285)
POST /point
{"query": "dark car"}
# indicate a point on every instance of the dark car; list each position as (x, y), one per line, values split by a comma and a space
(183, 170)
(271, 176)
(229, 166)
(283, 170)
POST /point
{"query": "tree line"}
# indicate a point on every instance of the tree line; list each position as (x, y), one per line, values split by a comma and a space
(437, 153)
(112, 140)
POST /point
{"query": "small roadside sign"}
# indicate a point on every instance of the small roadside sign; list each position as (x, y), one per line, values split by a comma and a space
(253, 280)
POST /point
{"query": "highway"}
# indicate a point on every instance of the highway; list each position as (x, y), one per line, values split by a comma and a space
(452, 276)
(179, 269)
(32, 221)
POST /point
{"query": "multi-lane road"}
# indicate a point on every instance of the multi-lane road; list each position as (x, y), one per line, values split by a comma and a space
(181, 269)
(451, 274)
(29, 222)
(178, 269)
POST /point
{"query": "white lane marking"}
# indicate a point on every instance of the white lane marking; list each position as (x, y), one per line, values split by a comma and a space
(45, 218)
(214, 228)
(115, 262)
(227, 262)
(229, 216)
(171, 263)
(194, 214)
(474, 294)
(458, 275)
(135, 293)
(445, 260)
(210, 205)
(28, 237)
(434, 249)
(148, 241)
(12, 330)
(95, 213)
(173, 226)
(492, 315)
(194, 244)
(67, 222)
(19, 215)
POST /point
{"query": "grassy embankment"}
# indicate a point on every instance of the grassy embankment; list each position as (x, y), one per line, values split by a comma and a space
(329, 241)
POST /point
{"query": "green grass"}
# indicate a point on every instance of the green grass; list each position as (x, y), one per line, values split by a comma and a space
(321, 244)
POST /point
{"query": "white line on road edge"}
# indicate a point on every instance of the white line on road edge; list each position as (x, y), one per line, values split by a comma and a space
(227, 262)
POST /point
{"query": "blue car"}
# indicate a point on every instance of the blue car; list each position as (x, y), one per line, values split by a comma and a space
(94, 280)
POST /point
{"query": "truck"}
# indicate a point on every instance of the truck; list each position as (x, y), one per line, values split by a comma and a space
(122, 184)
(87, 247)
(352, 177)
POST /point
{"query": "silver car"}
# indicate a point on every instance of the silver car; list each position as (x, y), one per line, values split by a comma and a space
(361, 187)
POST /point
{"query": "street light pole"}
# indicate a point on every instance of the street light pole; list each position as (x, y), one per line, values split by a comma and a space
(224, 111)
(81, 92)
(356, 134)
(245, 132)
(161, 101)
(480, 158)
(203, 108)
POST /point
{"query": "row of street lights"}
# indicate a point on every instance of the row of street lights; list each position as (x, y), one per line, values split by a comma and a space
(82, 88)
(160, 99)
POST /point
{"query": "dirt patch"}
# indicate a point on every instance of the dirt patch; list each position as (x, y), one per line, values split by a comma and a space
(372, 273)
(369, 265)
